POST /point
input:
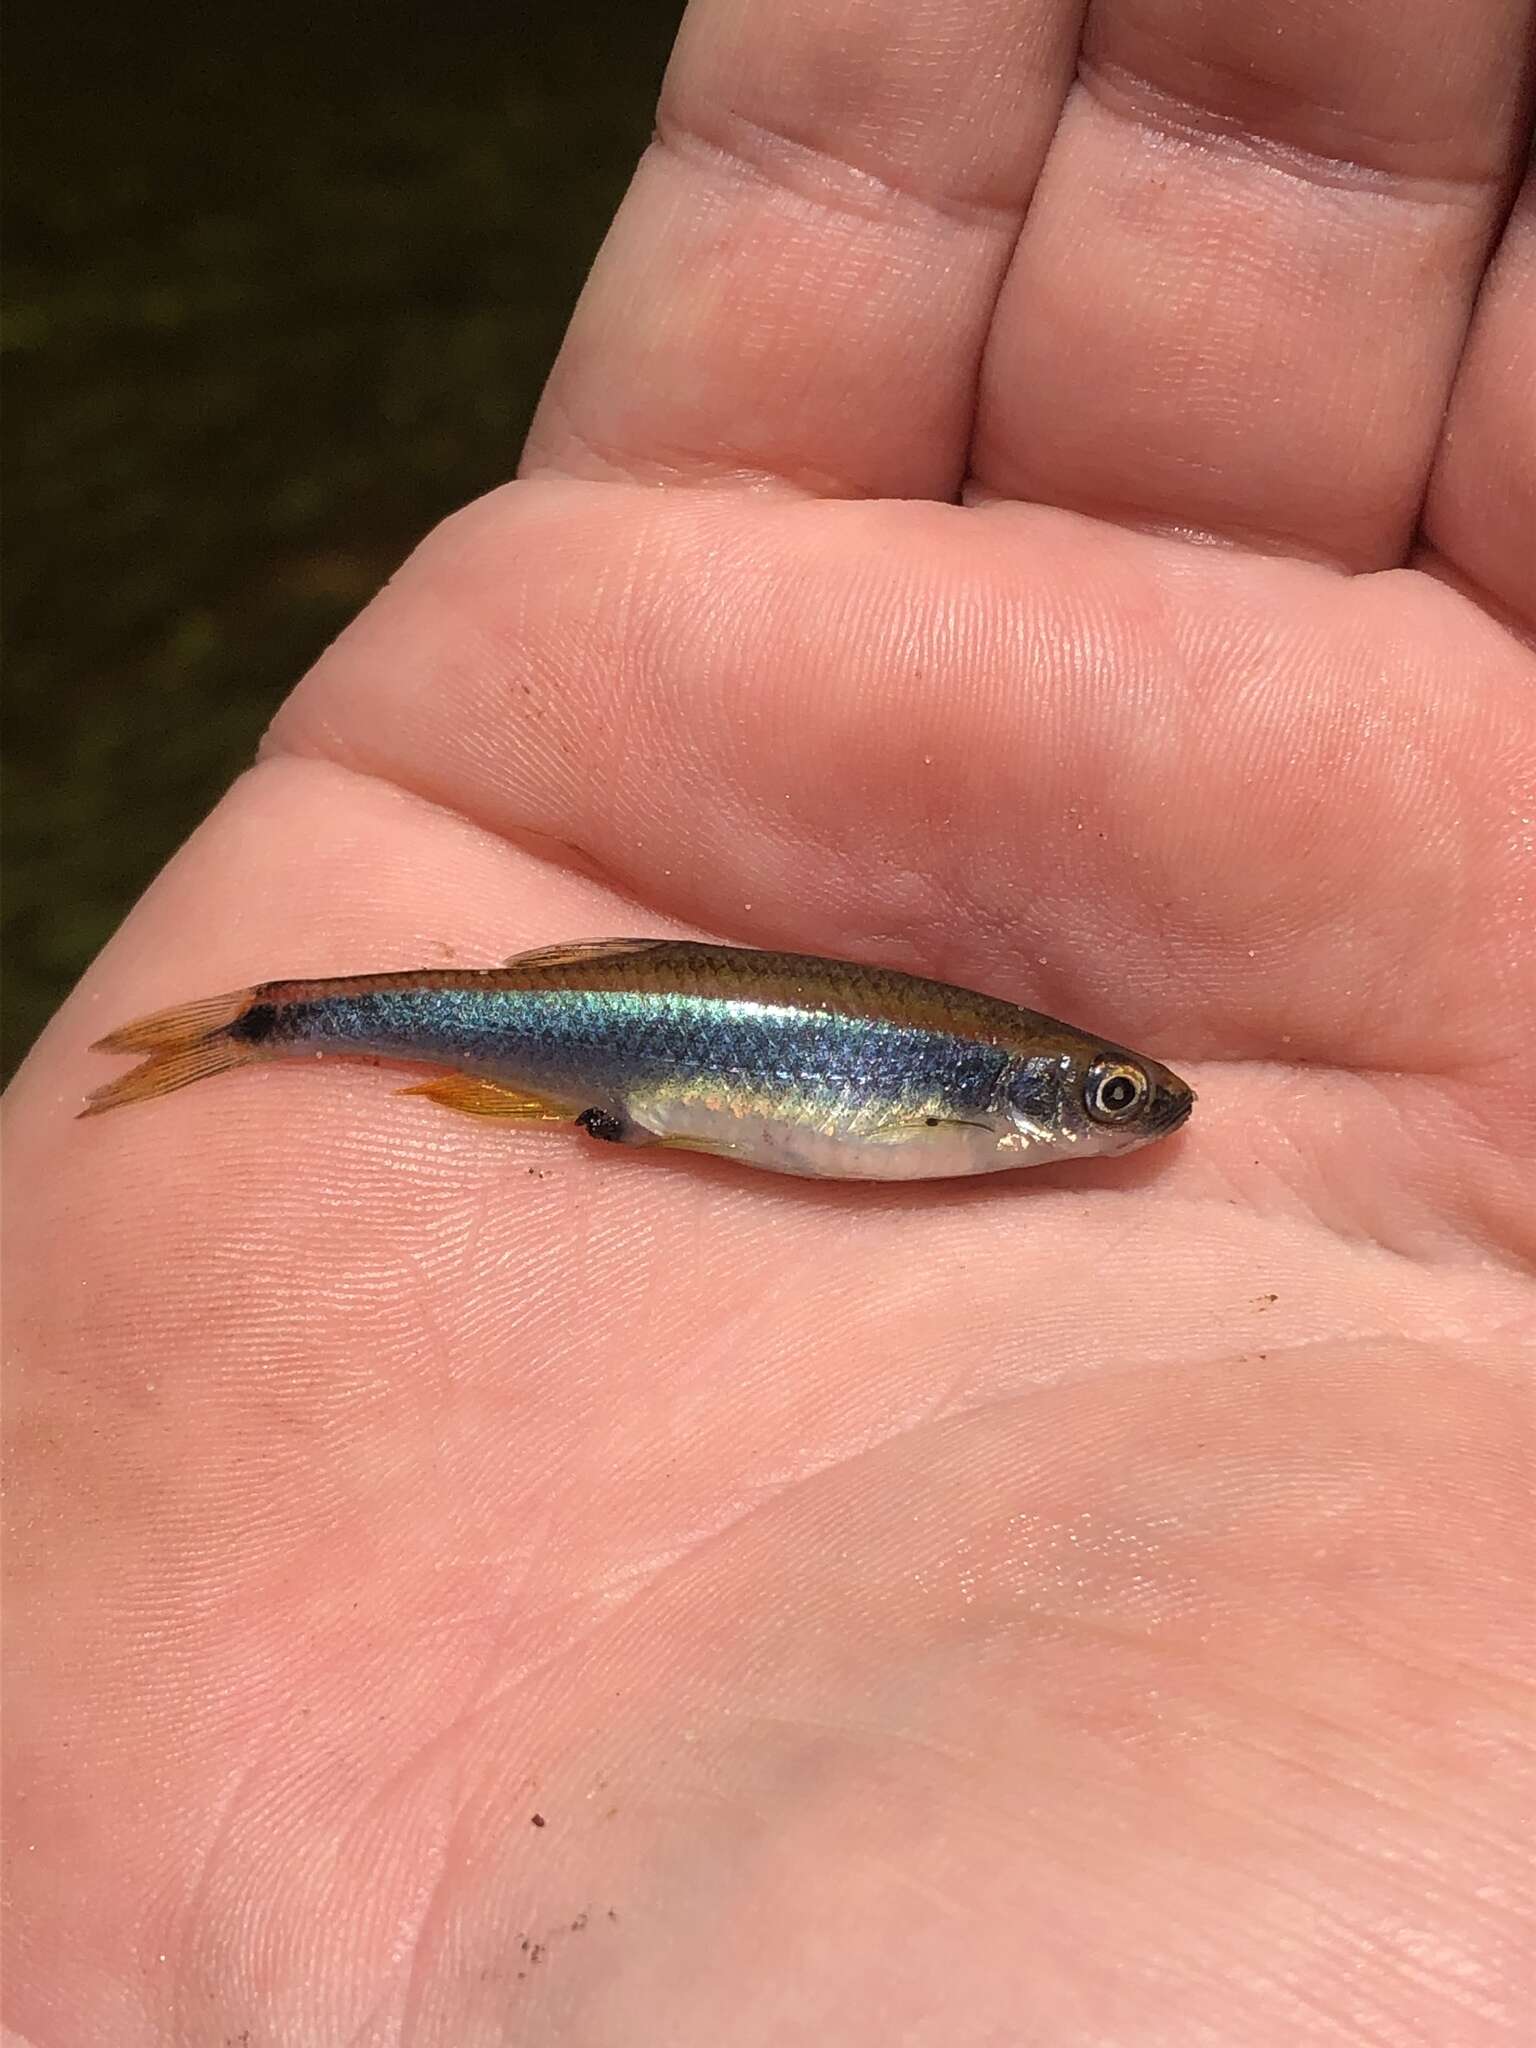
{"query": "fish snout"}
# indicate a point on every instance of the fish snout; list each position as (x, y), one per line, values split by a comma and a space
(1172, 1101)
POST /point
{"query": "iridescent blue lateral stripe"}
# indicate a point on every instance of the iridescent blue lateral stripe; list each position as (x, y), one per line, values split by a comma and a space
(571, 1041)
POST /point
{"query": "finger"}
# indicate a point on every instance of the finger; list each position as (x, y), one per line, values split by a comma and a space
(1481, 517)
(987, 743)
(1239, 298)
(800, 280)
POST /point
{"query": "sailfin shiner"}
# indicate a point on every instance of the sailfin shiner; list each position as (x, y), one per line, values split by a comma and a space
(785, 1061)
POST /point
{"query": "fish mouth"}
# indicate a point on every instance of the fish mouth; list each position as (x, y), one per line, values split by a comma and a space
(1171, 1108)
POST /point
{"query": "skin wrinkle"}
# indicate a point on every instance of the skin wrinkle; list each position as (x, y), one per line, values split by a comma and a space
(416, 1989)
(1177, 1650)
(1234, 537)
(1303, 1829)
(774, 157)
(635, 1595)
(480, 1698)
(1481, 1225)
(621, 1606)
(368, 2031)
(1127, 95)
(1306, 1898)
(686, 469)
(409, 1945)
(230, 1820)
(1258, 1978)
(225, 1820)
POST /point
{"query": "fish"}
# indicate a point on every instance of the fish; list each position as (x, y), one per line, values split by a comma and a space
(790, 1062)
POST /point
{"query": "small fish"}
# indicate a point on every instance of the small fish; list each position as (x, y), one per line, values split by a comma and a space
(779, 1060)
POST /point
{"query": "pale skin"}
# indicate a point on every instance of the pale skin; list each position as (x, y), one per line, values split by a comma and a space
(1063, 520)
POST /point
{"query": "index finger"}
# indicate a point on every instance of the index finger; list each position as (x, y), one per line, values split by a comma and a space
(800, 281)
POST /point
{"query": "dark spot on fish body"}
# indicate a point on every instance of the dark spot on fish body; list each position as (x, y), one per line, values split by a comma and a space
(265, 1021)
(256, 1025)
(599, 1123)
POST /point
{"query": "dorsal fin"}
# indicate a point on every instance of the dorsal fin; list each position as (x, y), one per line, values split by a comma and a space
(573, 954)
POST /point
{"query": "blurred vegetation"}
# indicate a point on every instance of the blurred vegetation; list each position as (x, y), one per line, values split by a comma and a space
(282, 286)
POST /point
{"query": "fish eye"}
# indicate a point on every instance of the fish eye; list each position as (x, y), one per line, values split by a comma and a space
(1114, 1091)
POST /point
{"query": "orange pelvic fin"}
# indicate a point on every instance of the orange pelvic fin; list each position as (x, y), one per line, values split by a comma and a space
(471, 1095)
(183, 1045)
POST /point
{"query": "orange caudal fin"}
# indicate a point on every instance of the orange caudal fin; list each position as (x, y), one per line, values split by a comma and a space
(181, 1045)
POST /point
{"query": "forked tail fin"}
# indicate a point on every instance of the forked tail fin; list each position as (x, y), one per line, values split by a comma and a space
(183, 1045)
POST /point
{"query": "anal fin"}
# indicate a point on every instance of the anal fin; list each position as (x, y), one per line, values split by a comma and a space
(473, 1095)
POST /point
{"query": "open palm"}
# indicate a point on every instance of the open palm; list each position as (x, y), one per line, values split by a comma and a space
(1057, 517)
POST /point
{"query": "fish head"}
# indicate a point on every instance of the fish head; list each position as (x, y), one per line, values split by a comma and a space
(1088, 1099)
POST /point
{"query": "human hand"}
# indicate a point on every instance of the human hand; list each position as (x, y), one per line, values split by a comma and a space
(467, 1587)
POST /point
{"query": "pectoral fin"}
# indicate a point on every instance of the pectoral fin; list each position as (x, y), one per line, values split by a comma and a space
(903, 1127)
(471, 1095)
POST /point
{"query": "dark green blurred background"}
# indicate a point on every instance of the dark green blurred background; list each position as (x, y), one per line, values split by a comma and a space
(282, 286)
